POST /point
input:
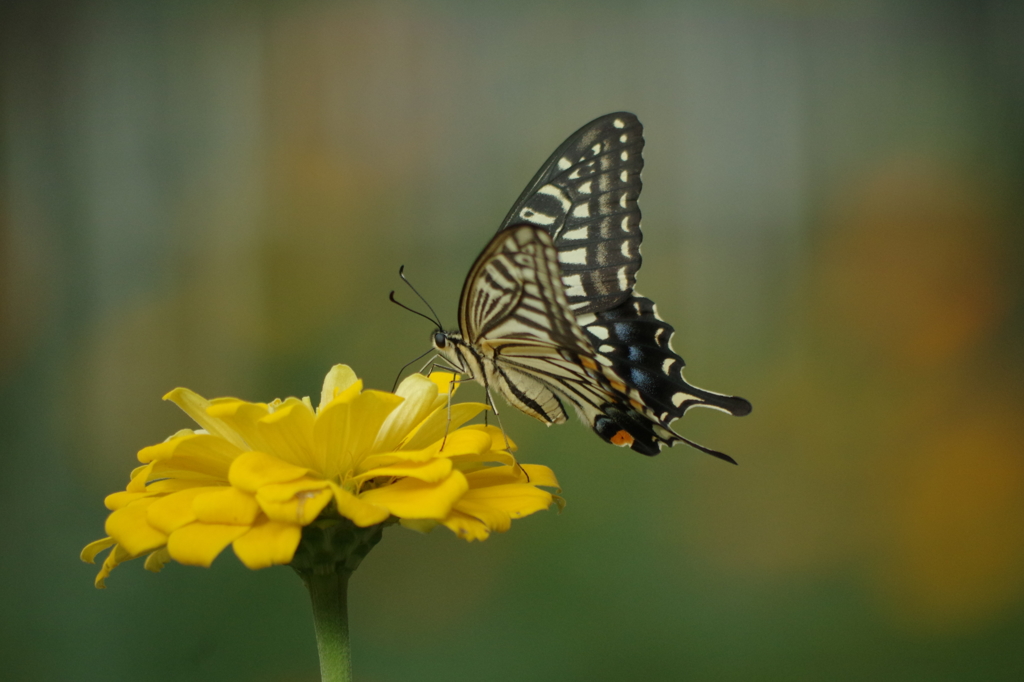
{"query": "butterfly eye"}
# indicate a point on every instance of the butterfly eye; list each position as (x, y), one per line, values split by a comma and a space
(440, 340)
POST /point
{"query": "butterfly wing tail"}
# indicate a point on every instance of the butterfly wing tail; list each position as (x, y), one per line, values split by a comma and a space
(698, 397)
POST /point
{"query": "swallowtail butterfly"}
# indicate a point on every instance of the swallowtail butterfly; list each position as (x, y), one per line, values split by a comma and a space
(549, 313)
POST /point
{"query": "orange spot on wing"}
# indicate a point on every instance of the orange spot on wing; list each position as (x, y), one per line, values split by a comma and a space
(588, 363)
(619, 386)
(622, 438)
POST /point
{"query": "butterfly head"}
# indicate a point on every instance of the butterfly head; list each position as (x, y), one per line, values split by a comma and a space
(460, 355)
(447, 344)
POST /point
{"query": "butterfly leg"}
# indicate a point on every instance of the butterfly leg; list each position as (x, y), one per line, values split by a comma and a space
(397, 378)
(432, 362)
(451, 392)
(435, 364)
(494, 409)
(448, 422)
(508, 445)
(439, 362)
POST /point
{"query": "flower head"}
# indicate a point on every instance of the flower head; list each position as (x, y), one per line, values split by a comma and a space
(256, 473)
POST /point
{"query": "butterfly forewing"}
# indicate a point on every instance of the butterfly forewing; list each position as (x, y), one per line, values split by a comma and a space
(514, 291)
(514, 312)
(585, 197)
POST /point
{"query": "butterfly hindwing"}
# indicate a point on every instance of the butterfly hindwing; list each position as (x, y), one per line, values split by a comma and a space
(636, 344)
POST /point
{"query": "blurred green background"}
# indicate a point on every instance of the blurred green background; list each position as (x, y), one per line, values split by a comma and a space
(219, 195)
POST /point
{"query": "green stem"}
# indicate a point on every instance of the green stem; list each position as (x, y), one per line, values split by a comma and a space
(331, 548)
(329, 593)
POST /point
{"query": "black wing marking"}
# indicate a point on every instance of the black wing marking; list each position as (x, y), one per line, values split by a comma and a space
(636, 344)
(585, 196)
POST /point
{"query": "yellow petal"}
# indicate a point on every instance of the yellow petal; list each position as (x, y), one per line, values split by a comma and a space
(132, 531)
(466, 527)
(196, 406)
(288, 433)
(332, 432)
(191, 464)
(358, 511)
(198, 544)
(345, 430)
(388, 458)
(268, 543)
(439, 401)
(139, 478)
(157, 560)
(281, 492)
(499, 439)
(212, 451)
(116, 557)
(242, 416)
(173, 511)
(302, 508)
(445, 382)
(495, 519)
(226, 505)
(253, 470)
(465, 441)
(431, 471)
(151, 453)
(90, 551)
(419, 393)
(500, 475)
(497, 505)
(414, 499)
(461, 443)
(339, 379)
(196, 455)
(182, 472)
(541, 475)
(419, 525)
(115, 501)
(472, 462)
(437, 424)
(173, 485)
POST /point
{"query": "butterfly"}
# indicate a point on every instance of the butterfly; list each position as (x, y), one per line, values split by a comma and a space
(548, 313)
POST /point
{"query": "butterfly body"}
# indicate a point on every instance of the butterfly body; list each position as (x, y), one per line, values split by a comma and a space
(549, 314)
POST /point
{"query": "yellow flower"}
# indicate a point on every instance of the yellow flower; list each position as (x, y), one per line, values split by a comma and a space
(255, 474)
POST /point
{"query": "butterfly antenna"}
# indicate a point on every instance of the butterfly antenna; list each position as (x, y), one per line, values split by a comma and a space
(415, 359)
(391, 296)
(401, 273)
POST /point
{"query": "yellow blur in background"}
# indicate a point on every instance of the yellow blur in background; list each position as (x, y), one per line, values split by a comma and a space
(219, 195)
